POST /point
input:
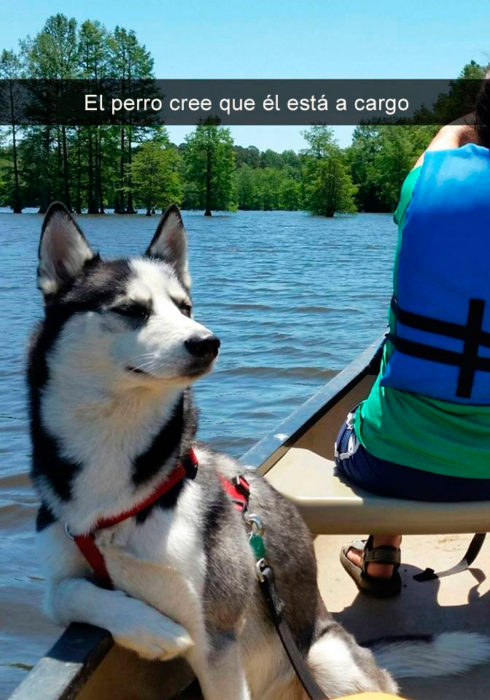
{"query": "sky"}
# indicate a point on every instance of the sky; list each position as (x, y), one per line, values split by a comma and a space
(282, 39)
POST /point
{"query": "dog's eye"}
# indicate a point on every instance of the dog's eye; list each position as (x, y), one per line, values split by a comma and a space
(185, 308)
(133, 310)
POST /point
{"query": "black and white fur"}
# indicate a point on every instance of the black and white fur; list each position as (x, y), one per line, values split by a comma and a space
(111, 413)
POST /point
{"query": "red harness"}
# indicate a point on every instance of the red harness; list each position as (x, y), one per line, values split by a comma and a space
(86, 543)
(237, 489)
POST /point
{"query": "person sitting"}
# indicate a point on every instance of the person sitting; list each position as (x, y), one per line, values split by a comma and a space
(423, 433)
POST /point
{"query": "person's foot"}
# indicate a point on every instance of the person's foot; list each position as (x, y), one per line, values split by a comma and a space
(373, 568)
(373, 565)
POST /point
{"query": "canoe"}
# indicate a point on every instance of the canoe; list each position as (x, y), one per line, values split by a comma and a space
(85, 664)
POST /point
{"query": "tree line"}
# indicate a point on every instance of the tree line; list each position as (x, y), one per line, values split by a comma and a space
(129, 167)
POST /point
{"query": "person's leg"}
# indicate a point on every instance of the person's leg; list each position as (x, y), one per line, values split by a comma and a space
(352, 464)
(379, 476)
(359, 467)
(373, 568)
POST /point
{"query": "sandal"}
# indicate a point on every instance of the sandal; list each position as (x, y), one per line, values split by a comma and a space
(378, 587)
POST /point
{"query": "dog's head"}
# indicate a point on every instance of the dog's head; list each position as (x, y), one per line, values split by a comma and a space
(122, 323)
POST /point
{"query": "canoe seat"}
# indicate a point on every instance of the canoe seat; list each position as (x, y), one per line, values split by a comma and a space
(331, 506)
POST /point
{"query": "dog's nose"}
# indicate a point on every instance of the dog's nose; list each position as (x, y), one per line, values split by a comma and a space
(203, 346)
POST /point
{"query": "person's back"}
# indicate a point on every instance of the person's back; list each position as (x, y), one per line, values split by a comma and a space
(430, 406)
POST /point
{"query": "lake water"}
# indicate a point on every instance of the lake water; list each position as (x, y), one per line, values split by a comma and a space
(293, 298)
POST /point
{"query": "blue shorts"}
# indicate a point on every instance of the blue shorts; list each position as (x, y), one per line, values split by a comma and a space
(385, 478)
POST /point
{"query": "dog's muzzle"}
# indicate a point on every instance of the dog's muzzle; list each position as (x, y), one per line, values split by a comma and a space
(203, 347)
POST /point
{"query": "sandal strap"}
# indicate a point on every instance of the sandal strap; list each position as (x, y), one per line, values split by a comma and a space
(383, 554)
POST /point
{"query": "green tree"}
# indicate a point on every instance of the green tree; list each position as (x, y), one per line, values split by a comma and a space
(269, 181)
(362, 156)
(86, 165)
(245, 187)
(291, 159)
(247, 156)
(155, 175)
(461, 97)
(399, 149)
(129, 61)
(53, 54)
(270, 159)
(209, 162)
(93, 54)
(380, 158)
(290, 194)
(327, 183)
(5, 177)
(10, 69)
(32, 155)
(268, 188)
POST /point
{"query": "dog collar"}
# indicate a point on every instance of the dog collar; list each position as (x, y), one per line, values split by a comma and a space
(186, 468)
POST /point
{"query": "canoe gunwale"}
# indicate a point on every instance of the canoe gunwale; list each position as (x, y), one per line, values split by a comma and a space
(63, 671)
(264, 454)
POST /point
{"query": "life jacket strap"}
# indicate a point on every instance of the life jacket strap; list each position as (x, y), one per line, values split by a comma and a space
(471, 333)
(435, 325)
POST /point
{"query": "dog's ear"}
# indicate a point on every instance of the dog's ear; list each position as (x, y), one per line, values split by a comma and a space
(63, 250)
(170, 243)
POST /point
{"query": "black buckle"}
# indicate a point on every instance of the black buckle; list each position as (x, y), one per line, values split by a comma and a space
(190, 465)
(427, 575)
(240, 504)
(242, 486)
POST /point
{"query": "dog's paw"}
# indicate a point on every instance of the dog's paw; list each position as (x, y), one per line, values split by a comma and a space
(151, 634)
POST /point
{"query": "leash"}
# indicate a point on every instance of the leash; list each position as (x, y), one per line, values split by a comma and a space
(469, 557)
(239, 491)
(186, 468)
(276, 607)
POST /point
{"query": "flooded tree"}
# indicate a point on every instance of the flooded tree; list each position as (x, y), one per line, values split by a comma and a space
(209, 163)
(155, 174)
(129, 61)
(10, 69)
(327, 183)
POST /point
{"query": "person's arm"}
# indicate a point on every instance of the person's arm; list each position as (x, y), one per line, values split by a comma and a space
(450, 136)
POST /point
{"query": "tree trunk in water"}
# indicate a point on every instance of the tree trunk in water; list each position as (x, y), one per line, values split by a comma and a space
(16, 203)
(92, 206)
(78, 195)
(59, 192)
(99, 195)
(130, 208)
(208, 181)
(98, 189)
(119, 207)
(66, 173)
(45, 174)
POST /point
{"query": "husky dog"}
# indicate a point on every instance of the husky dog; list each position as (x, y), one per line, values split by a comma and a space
(109, 374)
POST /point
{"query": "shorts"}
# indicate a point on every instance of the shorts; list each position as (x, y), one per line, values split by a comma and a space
(386, 478)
